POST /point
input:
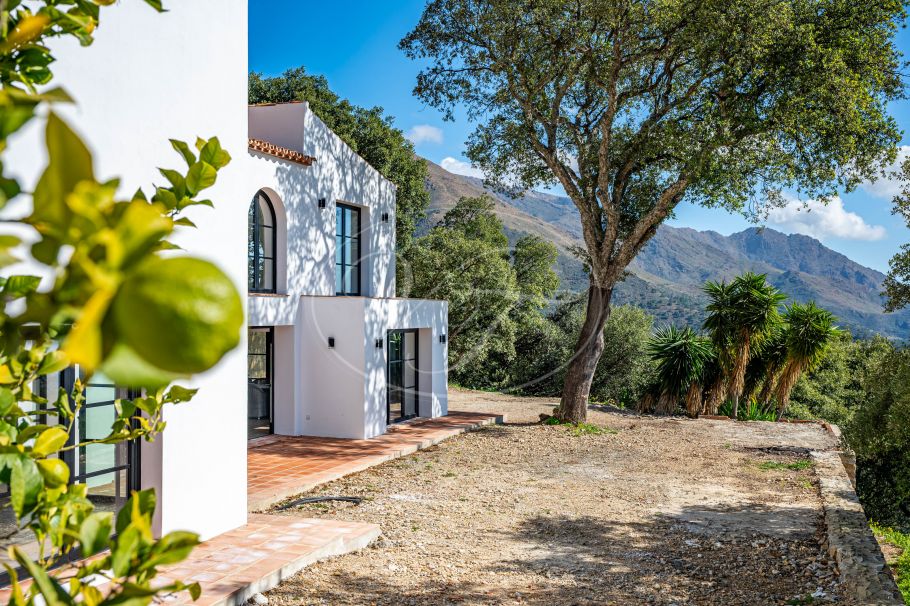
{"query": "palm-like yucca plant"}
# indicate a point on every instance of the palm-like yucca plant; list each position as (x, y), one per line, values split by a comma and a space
(755, 313)
(714, 383)
(809, 330)
(770, 362)
(720, 325)
(647, 402)
(680, 355)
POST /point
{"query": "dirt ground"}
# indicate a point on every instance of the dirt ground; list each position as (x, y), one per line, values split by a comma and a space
(651, 511)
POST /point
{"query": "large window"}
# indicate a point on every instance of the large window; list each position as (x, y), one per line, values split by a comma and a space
(347, 250)
(261, 244)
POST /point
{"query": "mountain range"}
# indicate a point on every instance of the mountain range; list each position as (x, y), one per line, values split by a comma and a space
(667, 276)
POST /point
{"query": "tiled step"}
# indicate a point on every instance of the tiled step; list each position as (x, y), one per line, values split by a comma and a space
(257, 557)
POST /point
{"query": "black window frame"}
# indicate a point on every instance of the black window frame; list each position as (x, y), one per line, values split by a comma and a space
(255, 278)
(357, 264)
(402, 390)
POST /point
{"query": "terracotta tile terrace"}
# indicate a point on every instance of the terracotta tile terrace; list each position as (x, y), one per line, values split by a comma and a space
(279, 467)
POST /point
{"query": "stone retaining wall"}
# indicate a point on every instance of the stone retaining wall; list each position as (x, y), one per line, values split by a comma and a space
(864, 574)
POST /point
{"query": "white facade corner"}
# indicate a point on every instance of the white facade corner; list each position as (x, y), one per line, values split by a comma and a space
(198, 466)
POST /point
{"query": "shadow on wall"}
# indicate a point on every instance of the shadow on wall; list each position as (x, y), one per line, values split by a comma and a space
(555, 559)
(311, 234)
(339, 175)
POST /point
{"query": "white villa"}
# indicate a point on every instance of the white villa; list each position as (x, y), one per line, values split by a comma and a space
(332, 352)
(301, 223)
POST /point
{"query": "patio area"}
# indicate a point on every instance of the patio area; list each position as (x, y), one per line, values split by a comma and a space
(270, 548)
(257, 557)
(279, 467)
(233, 566)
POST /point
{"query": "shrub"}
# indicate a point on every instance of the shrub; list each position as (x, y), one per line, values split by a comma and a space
(879, 433)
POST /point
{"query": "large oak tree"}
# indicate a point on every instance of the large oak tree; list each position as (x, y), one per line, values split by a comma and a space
(635, 106)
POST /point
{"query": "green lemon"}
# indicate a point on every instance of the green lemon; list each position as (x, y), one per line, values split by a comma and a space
(179, 314)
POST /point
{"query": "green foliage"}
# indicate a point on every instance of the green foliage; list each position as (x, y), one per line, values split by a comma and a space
(533, 260)
(838, 384)
(897, 283)
(861, 386)
(752, 411)
(505, 332)
(369, 132)
(105, 257)
(901, 564)
(879, 433)
(496, 295)
(750, 350)
(721, 320)
(680, 356)
(808, 330)
(797, 465)
(581, 429)
(465, 260)
(742, 316)
(624, 369)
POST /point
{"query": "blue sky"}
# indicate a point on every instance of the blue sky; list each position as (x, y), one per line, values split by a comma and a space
(354, 44)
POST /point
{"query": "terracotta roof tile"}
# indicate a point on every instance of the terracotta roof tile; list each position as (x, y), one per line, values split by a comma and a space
(264, 147)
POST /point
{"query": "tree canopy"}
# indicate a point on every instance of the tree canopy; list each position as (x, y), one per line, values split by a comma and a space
(495, 292)
(897, 284)
(368, 131)
(633, 106)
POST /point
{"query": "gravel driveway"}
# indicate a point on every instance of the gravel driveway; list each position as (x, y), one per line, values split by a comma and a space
(650, 511)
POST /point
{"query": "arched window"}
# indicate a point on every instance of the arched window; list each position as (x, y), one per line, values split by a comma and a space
(261, 245)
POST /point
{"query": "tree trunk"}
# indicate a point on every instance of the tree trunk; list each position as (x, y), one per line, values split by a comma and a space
(767, 389)
(667, 403)
(694, 402)
(573, 408)
(785, 383)
(738, 380)
(715, 395)
(646, 404)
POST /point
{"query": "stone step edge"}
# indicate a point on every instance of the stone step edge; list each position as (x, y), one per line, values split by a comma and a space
(341, 545)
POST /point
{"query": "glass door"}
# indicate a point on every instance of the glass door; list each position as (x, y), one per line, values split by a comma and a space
(259, 383)
(110, 471)
(402, 375)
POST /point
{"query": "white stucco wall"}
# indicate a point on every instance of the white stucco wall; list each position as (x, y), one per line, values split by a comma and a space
(339, 176)
(344, 389)
(431, 318)
(147, 78)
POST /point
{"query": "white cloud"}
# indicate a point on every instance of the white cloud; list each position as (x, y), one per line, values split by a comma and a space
(887, 187)
(460, 167)
(424, 133)
(823, 221)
